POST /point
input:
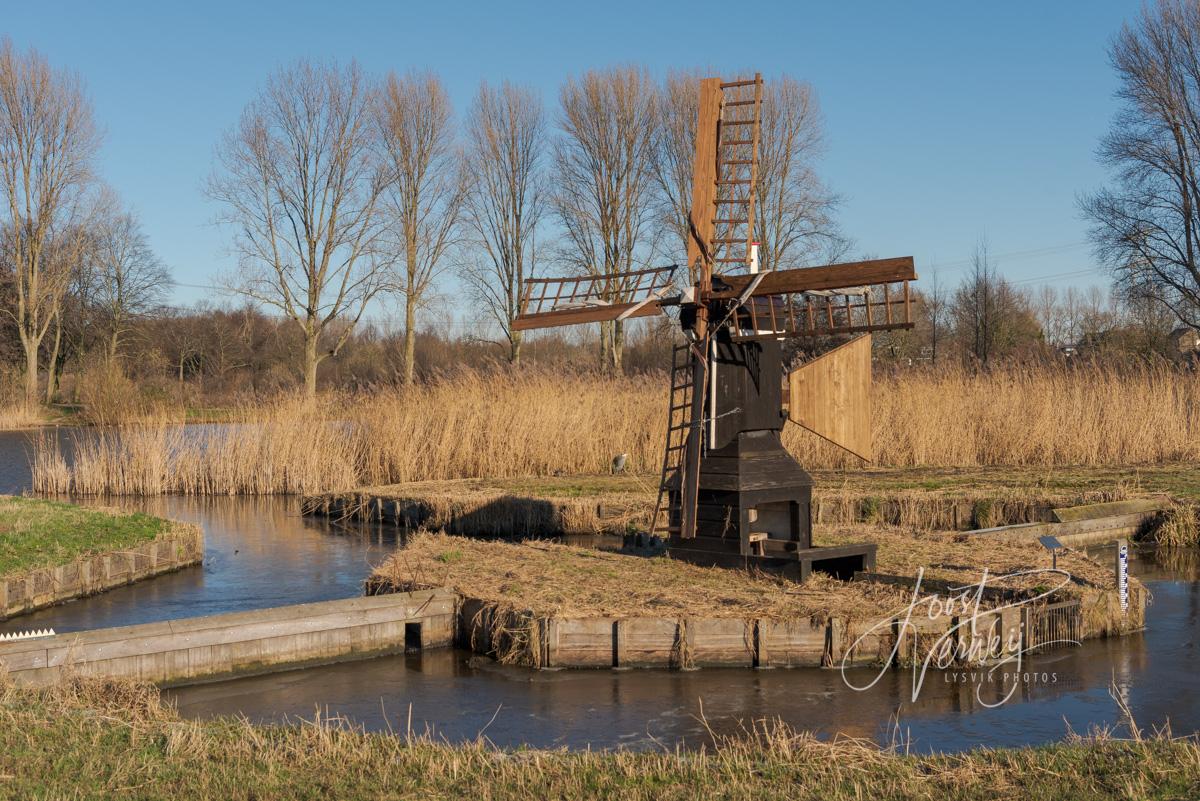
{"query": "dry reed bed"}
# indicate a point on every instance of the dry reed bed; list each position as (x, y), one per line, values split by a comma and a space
(19, 416)
(548, 579)
(961, 558)
(106, 739)
(539, 423)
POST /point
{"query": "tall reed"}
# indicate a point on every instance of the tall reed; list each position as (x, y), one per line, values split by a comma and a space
(476, 424)
(18, 415)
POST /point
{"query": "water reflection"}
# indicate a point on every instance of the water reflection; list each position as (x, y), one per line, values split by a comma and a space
(261, 553)
(458, 696)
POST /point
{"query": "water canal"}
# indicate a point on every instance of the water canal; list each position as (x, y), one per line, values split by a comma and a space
(261, 553)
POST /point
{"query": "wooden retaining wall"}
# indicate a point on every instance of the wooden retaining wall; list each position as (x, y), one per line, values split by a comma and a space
(209, 648)
(216, 647)
(486, 514)
(514, 514)
(685, 643)
(182, 545)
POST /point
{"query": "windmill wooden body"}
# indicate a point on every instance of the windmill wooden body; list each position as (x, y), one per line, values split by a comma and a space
(729, 493)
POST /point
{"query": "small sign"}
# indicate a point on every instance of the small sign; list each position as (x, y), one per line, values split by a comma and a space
(1123, 573)
(1050, 542)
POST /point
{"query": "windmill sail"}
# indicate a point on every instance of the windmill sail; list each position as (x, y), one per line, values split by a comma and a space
(831, 396)
(572, 300)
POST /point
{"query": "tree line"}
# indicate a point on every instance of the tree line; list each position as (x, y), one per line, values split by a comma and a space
(340, 189)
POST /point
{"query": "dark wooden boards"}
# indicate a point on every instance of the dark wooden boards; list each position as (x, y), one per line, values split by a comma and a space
(833, 276)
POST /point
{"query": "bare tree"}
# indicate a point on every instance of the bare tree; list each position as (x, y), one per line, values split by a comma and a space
(130, 280)
(793, 225)
(936, 306)
(66, 256)
(678, 110)
(976, 306)
(604, 174)
(300, 180)
(991, 316)
(47, 142)
(1146, 227)
(505, 198)
(424, 187)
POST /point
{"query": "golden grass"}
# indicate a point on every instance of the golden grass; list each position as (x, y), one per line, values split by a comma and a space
(549, 579)
(1176, 527)
(107, 739)
(18, 416)
(961, 558)
(471, 425)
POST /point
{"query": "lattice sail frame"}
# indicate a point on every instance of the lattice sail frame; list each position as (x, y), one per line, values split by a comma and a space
(573, 300)
(877, 307)
(736, 180)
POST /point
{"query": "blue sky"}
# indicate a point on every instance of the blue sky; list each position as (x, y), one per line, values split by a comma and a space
(946, 122)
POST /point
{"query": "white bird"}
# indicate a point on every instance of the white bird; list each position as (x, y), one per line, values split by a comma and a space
(618, 462)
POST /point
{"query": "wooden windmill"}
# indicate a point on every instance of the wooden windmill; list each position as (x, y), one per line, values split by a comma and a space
(730, 494)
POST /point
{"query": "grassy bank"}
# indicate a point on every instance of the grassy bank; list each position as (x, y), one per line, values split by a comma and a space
(924, 498)
(540, 424)
(38, 533)
(105, 740)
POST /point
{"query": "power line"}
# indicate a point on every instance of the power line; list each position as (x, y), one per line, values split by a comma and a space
(1056, 276)
(1049, 250)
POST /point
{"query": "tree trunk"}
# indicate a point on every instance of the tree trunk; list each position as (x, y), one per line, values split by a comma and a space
(52, 365)
(618, 344)
(410, 338)
(310, 365)
(113, 343)
(514, 349)
(605, 344)
(31, 372)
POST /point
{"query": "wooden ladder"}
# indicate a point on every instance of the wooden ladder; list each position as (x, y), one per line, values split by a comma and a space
(737, 171)
(666, 512)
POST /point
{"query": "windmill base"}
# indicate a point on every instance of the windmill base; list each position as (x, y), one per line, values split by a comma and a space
(839, 561)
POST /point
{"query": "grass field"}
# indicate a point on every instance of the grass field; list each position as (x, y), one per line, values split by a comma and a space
(475, 425)
(105, 740)
(41, 533)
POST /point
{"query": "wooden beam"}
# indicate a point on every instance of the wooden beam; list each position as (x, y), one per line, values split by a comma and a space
(590, 314)
(834, 276)
(704, 177)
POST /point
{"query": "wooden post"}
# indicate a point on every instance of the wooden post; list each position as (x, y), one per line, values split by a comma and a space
(700, 255)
